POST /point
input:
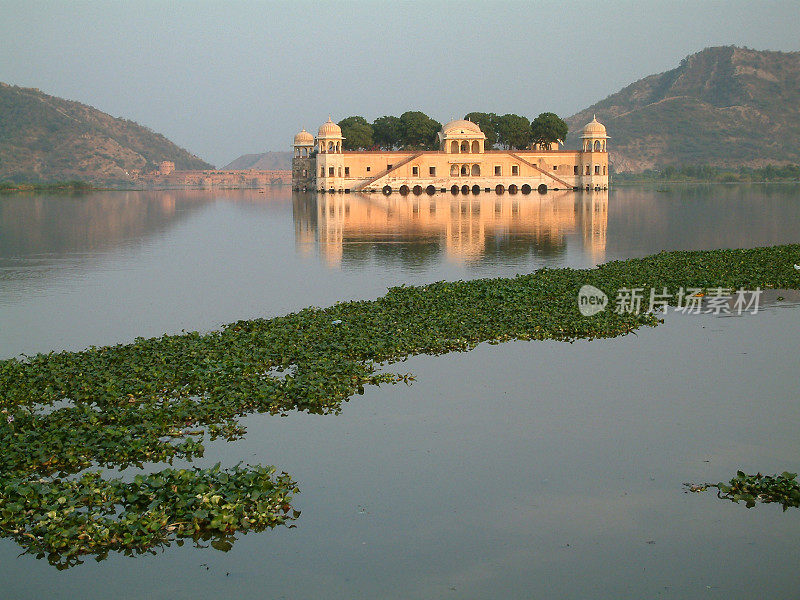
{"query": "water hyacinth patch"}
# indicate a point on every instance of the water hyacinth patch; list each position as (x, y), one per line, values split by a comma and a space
(783, 489)
(66, 518)
(156, 400)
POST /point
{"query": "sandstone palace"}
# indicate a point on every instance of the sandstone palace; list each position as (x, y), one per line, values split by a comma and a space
(460, 165)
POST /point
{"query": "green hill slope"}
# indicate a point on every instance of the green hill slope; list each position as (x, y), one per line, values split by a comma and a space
(725, 106)
(44, 138)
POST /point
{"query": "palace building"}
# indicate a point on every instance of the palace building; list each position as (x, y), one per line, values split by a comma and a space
(460, 165)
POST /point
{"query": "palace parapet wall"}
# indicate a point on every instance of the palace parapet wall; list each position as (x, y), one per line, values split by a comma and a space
(245, 179)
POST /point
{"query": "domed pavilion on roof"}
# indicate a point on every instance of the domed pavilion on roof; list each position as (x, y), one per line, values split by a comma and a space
(461, 165)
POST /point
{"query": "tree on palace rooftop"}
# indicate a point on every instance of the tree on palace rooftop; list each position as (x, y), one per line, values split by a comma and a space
(513, 131)
(357, 133)
(387, 132)
(419, 130)
(547, 129)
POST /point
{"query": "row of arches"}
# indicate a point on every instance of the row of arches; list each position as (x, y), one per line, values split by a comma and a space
(302, 151)
(596, 146)
(465, 147)
(418, 190)
(465, 170)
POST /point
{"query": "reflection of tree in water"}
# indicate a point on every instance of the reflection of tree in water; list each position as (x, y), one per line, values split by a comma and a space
(45, 229)
(647, 219)
(522, 245)
(713, 191)
(411, 254)
(417, 230)
(57, 225)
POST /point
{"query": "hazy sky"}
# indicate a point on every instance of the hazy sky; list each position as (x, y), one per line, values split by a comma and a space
(228, 78)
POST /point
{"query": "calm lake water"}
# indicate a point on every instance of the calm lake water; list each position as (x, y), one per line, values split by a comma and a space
(521, 470)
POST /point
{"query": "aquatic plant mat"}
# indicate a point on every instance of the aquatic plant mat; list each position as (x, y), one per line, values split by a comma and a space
(782, 489)
(66, 415)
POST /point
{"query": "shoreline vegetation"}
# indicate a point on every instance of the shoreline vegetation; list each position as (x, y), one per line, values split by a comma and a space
(712, 174)
(65, 415)
(75, 185)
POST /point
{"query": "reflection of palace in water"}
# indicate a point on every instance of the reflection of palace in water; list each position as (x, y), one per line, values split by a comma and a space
(47, 228)
(466, 228)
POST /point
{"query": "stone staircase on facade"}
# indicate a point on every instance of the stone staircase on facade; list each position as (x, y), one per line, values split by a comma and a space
(385, 172)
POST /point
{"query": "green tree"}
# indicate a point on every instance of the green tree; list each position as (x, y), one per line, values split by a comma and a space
(488, 124)
(387, 132)
(419, 130)
(513, 131)
(547, 129)
(357, 132)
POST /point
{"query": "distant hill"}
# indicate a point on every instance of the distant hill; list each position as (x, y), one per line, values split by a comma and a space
(45, 138)
(724, 106)
(268, 161)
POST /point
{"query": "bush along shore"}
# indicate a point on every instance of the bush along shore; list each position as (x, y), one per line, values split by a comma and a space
(65, 415)
(713, 174)
(8, 187)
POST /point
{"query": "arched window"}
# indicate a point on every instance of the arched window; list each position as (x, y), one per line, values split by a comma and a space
(464, 147)
(476, 169)
(464, 170)
(604, 145)
(322, 171)
(476, 147)
(597, 146)
(604, 169)
(338, 147)
(454, 170)
(454, 147)
(330, 146)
